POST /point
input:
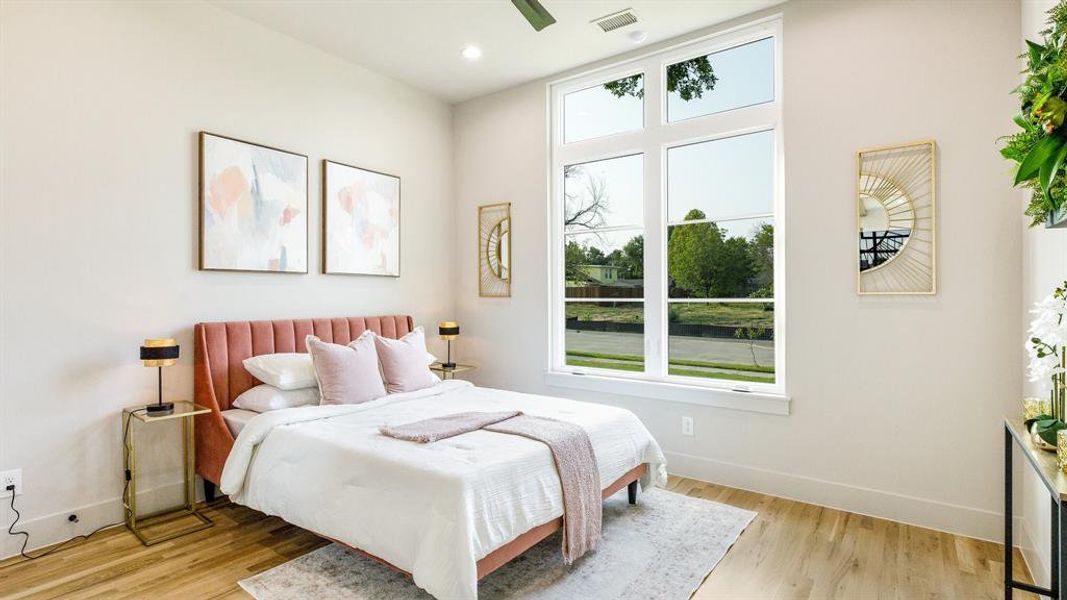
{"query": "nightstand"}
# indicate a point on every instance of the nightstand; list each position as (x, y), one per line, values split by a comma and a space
(450, 373)
(185, 411)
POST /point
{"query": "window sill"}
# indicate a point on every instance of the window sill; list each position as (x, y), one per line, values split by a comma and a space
(761, 402)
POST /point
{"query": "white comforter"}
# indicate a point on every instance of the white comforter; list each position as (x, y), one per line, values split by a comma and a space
(431, 509)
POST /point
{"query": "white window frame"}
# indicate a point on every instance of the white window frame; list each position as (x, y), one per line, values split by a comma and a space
(653, 141)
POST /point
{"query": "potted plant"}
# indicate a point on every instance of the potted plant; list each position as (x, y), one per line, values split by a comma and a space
(1047, 348)
(1040, 148)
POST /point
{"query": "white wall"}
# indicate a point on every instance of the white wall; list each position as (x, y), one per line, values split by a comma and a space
(1044, 267)
(100, 105)
(915, 438)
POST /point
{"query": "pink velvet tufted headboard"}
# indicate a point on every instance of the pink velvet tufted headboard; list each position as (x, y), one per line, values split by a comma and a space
(219, 377)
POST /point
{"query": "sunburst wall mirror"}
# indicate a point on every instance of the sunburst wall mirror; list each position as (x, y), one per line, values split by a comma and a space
(897, 218)
(494, 250)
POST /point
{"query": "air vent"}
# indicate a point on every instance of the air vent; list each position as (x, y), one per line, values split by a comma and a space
(616, 20)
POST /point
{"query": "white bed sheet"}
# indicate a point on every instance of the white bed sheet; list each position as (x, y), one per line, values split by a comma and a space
(434, 509)
(237, 418)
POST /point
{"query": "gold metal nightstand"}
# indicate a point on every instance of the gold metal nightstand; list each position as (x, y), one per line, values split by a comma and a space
(184, 411)
(450, 373)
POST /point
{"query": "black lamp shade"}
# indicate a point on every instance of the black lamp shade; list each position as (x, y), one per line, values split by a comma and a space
(454, 330)
(159, 352)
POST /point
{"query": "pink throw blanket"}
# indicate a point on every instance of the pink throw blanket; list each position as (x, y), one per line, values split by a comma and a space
(439, 428)
(571, 451)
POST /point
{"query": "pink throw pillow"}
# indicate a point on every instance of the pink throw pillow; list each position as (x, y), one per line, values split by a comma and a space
(404, 362)
(346, 374)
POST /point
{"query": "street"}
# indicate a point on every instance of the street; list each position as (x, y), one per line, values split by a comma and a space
(685, 348)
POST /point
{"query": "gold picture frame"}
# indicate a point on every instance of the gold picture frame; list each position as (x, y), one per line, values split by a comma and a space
(896, 219)
(208, 168)
(375, 190)
(494, 250)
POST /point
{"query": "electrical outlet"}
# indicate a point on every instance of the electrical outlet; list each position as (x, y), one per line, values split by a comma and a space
(687, 426)
(12, 477)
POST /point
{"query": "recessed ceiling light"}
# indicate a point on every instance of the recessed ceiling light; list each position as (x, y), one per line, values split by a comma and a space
(471, 52)
(638, 36)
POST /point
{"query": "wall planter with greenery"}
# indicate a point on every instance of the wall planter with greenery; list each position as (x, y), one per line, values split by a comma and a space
(1040, 148)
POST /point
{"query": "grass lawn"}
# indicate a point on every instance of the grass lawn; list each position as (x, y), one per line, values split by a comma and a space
(629, 362)
(674, 361)
(745, 314)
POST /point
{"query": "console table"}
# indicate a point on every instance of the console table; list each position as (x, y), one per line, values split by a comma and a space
(1044, 464)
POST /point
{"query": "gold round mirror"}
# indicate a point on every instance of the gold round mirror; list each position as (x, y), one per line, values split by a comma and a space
(887, 218)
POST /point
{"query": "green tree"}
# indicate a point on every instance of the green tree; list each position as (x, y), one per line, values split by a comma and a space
(751, 335)
(690, 78)
(573, 257)
(595, 256)
(701, 259)
(633, 258)
(761, 252)
(690, 253)
(733, 269)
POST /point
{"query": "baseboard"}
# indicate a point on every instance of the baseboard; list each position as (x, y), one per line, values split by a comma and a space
(942, 516)
(50, 529)
(951, 518)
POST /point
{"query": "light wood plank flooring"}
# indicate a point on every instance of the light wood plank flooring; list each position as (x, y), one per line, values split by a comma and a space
(791, 550)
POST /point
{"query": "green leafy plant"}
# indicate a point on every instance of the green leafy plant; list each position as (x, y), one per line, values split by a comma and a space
(1040, 147)
(1046, 428)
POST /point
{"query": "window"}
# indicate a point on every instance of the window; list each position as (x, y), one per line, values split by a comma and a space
(666, 186)
(595, 111)
(744, 75)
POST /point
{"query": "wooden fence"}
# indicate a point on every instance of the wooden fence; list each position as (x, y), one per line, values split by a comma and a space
(680, 329)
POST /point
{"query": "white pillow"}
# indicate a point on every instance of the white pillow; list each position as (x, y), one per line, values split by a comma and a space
(285, 370)
(263, 398)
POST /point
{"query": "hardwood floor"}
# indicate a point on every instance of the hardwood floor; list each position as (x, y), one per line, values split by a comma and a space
(791, 550)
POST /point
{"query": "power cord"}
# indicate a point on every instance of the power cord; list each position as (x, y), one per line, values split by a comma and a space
(62, 545)
(26, 540)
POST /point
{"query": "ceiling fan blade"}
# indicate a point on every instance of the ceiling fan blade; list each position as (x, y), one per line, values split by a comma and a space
(534, 13)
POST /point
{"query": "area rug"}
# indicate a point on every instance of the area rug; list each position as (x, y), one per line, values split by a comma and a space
(661, 548)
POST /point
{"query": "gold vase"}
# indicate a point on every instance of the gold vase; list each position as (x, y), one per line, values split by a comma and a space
(1035, 407)
(1061, 449)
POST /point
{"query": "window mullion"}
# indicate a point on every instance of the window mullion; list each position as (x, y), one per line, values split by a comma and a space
(655, 233)
(621, 144)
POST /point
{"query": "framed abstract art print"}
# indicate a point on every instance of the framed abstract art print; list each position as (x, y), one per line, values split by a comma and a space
(253, 207)
(360, 221)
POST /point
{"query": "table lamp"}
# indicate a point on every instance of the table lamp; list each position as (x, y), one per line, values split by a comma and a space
(448, 330)
(159, 353)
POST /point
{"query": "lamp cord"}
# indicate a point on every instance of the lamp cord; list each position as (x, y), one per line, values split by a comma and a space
(62, 545)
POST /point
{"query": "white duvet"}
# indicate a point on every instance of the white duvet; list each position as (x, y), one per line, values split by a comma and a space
(433, 509)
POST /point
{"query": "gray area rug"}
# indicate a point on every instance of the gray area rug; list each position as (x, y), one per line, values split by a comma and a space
(662, 548)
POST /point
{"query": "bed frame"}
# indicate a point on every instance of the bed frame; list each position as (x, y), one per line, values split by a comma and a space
(219, 377)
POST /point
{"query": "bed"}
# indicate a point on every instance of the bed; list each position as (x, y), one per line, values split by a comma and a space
(447, 513)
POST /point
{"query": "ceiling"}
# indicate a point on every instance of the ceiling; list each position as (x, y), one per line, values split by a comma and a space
(419, 41)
